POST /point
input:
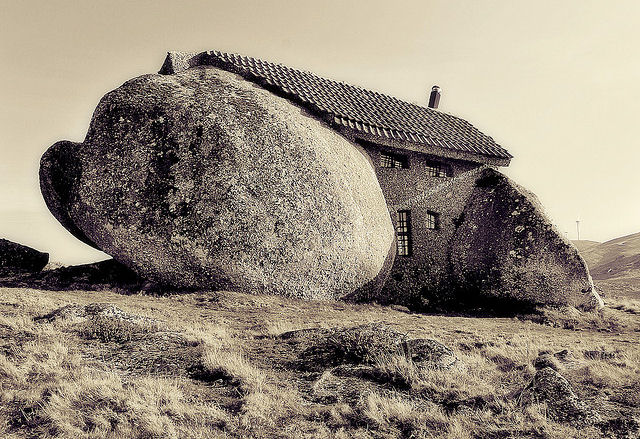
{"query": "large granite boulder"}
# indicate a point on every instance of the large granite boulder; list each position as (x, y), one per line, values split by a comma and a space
(506, 248)
(202, 179)
(19, 258)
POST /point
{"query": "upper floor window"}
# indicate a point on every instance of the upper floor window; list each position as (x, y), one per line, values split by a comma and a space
(435, 169)
(433, 220)
(389, 160)
(403, 233)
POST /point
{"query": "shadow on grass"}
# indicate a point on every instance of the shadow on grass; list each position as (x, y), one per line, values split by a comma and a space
(476, 306)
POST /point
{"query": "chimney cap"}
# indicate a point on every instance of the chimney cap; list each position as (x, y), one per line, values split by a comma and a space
(434, 97)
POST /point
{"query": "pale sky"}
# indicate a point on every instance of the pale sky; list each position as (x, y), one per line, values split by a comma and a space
(557, 83)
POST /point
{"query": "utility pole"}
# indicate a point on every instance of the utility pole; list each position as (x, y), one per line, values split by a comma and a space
(578, 228)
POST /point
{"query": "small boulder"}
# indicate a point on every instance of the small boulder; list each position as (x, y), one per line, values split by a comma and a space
(546, 359)
(102, 275)
(431, 353)
(506, 248)
(18, 258)
(79, 313)
(550, 387)
(366, 345)
(203, 179)
(558, 361)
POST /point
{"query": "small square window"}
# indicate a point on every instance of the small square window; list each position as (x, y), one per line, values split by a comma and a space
(435, 169)
(388, 160)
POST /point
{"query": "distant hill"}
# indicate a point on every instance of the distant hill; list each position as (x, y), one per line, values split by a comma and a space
(585, 245)
(616, 261)
(620, 256)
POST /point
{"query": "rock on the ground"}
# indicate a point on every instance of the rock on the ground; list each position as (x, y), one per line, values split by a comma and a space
(202, 179)
(77, 313)
(564, 405)
(558, 361)
(366, 345)
(129, 343)
(108, 274)
(546, 360)
(16, 258)
(506, 248)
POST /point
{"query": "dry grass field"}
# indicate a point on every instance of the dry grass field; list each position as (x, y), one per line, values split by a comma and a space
(105, 364)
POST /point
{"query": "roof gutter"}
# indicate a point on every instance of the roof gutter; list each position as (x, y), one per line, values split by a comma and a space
(423, 148)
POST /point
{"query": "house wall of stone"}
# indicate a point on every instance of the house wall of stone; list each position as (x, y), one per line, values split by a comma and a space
(424, 275)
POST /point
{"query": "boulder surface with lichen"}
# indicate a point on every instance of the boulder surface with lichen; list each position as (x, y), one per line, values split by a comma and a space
(17, 258)
(506, 248)
(549, 387)
(203, 179)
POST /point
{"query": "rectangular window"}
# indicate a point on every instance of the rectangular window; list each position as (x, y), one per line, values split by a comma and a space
(437, 170)
(432, 220)
(403, 233)
(388, 160)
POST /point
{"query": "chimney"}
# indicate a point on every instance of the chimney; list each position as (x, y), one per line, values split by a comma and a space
(434, 99)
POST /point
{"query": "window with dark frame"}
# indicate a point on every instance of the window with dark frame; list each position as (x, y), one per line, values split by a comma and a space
(435, 169)
(403, 233)
(432, 220)
(389, 160)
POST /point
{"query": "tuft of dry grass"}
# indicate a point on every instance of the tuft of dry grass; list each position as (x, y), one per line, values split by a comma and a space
(397, 416)
(48, 390)
(222, 362)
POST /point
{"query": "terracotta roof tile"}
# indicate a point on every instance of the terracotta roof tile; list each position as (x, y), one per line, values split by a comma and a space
(363, 110)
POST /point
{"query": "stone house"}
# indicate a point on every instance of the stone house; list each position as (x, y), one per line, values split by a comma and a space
(427, 161)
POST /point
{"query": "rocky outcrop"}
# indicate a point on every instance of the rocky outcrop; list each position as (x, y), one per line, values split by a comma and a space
(202, 179)
(348, 363)
(79, 313)
(550, 387)
(18, 258)
(506, 248)
(366, 345)
(101, 275)
(493, 248)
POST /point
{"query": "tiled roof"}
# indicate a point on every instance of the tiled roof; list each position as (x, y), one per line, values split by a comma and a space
(365, 111)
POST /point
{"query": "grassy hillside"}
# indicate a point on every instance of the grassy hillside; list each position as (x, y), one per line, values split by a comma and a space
(615, 264)
(584, 245)
(101, 363)
(612, 258)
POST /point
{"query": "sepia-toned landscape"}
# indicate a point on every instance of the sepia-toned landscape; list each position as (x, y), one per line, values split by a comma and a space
(333, 219)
